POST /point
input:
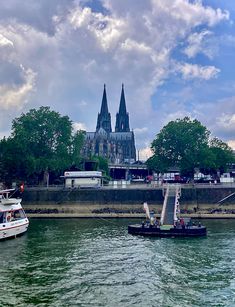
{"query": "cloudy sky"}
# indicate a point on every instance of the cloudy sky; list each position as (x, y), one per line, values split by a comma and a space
(175, 58)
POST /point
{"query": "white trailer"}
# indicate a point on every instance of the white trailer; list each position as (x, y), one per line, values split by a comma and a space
(83, 179)
(226, 178)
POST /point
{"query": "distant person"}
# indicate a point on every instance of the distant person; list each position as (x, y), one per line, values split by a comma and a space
(182, 224)
(9, 217)
(156, 222)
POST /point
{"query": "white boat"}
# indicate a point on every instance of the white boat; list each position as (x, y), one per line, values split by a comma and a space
(13, 220)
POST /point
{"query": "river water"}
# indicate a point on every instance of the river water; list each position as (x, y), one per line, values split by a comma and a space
(95, 262)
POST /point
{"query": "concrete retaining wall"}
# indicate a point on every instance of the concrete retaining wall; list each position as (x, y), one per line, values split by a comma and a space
(194, 195)
(119, 202)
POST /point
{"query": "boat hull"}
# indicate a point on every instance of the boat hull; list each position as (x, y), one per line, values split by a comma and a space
(192, 231)
(13, 229)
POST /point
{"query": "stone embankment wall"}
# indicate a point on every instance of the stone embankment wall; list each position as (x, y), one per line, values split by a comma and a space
(121, 202)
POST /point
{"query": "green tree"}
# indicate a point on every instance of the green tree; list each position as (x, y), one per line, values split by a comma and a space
(102, 165)
(182, 143)
(41, 141)
(223, 155)
(185, 143)
(46, 138)
(11, 160)
(76, 147)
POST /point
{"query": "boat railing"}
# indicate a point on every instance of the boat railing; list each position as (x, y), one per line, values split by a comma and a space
(171, 190)
(5, 193)
(6, 199)
(177, 205)
(10, 201)
(225, 198)
(165, 193)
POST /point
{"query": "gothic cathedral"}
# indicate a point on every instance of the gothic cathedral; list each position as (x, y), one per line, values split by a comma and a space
(119, 146)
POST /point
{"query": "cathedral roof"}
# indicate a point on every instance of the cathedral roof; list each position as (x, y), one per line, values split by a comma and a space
(121, 136)
(118, 136)
(89, 135)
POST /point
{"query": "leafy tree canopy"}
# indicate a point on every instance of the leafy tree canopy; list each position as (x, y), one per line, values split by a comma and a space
(41, 140)
(222, 154)
(185, 143)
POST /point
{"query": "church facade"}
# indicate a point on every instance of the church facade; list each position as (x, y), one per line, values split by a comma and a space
(117, 146)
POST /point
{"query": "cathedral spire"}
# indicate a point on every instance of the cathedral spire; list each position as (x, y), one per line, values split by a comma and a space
(104, 117)
(104, 104)
(122, 106)
(122, 117)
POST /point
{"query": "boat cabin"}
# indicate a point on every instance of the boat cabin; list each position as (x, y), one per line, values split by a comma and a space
(12, 215)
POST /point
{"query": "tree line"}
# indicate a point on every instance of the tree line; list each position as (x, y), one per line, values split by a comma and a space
(42, 141)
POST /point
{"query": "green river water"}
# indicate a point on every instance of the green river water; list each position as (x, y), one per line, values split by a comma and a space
(95, 262)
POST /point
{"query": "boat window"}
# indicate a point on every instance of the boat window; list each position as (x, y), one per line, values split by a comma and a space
(72, 183)
(1, 217)
(18, 214)
(4, 216)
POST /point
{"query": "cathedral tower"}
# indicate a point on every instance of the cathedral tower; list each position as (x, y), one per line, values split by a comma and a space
(122, 117)
(104, 117)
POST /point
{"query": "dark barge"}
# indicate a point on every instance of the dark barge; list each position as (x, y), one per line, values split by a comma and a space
(170, 224)
(163, 231)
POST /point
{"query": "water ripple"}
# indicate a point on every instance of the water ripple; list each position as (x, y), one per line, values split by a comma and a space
(94, 263)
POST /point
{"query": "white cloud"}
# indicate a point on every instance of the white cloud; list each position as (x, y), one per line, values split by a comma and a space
(193, 13)
(17, 96)
(106, 29)
(131, 45)
(218, 116)
(198, 43)
(83, 104)
(79, 126)
(4, 41)
(226, 121)
(139, 131)
(4, 133)
(173, 115)
(33, 61)
(192, 71)
(231, 143)
(145, 153)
